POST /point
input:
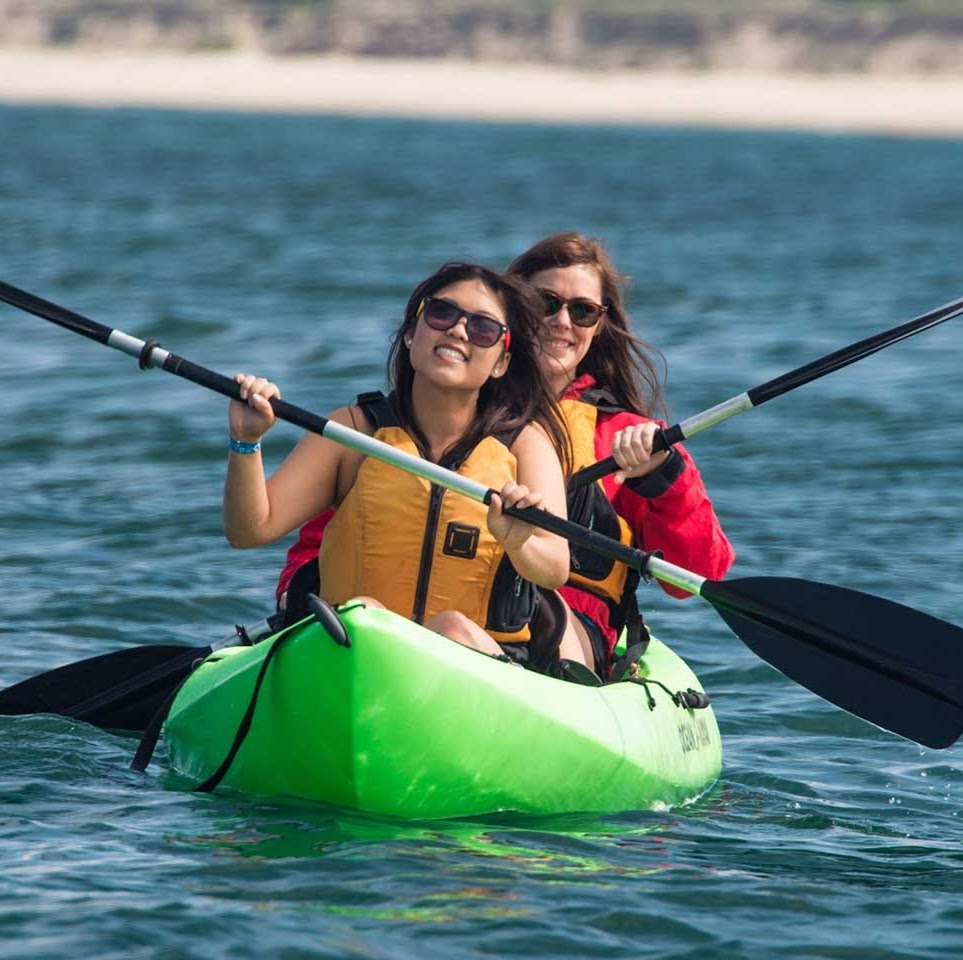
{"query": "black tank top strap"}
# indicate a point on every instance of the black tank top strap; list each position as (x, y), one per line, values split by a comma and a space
(508, 437)
(381, 411)
(378, 409)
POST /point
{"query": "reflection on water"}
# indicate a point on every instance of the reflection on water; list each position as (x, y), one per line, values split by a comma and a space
(293, 829)
(477, 865)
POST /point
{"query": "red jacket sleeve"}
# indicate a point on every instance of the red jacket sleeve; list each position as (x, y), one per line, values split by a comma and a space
(678, 518)
(305, 550)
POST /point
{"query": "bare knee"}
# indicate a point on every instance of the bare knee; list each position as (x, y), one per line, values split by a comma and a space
(453, 625)
(368, 602)
(576, 644)
(456, 626)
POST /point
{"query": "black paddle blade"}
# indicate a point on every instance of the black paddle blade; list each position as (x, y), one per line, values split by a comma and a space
(116, 691)
(889, 664)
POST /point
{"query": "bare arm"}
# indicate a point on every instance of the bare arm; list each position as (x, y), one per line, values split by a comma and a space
(536, 554)
(258, 510)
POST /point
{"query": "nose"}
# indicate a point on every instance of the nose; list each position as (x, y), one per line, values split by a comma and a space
(560, 317)
(460, 329)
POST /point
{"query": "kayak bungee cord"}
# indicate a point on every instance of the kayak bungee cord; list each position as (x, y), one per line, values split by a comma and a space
(887, 663)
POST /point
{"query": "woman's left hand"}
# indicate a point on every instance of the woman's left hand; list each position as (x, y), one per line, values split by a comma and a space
(510, 532)
(632, 449)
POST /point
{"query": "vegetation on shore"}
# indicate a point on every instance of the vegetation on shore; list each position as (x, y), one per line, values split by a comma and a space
(791, 35)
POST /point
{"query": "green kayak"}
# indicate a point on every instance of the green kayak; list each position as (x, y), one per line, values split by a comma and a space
(392, 719)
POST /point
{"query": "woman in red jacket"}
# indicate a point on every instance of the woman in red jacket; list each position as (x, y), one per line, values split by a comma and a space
(609, 386)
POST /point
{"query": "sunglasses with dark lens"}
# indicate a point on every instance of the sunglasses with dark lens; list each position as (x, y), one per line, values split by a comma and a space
(481, 330)
(581, 311)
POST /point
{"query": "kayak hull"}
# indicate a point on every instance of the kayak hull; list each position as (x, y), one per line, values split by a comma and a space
(405, 723)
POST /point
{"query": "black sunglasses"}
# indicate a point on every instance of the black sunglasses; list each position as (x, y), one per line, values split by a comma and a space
(581, 311)
(481, 329)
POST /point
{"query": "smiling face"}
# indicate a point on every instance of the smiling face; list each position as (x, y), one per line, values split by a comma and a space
(448, 356)
(564, 345)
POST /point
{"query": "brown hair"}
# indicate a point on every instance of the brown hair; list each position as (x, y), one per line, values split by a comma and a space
(505, 404)
(630, 368)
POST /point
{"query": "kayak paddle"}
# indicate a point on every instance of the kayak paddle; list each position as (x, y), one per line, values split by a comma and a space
(892, 665)
(780, 385)
(121, 690)
(889, 664)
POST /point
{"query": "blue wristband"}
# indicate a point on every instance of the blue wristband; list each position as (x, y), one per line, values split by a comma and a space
(242, 446)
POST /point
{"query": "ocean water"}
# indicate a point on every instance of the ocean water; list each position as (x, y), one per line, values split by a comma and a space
(288, 245)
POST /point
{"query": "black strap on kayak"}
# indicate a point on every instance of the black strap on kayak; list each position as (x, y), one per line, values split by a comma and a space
(148, 740)
(328, 617)
(546, 627)
(689, 698)
(245, 725)
(626, 670)
(627, 666)
(574, 672)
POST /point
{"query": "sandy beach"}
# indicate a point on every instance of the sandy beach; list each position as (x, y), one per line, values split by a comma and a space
(900, 105)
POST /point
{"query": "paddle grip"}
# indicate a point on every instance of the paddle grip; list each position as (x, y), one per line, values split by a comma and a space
(230, 388)
(575, 533)
(664, 440)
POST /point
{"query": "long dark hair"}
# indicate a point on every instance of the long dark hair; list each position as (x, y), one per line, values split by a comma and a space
(505, 404)
(630, 368)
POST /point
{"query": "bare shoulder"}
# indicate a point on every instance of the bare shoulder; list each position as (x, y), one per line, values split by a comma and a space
(534, 445)
(348, 416)
(313, 445)
(532, 440)
(539, 466)
(349, 461)
(351, 416)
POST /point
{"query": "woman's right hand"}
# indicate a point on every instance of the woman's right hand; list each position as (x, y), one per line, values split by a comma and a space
(509, 531)
(252, 416)
(632, 450)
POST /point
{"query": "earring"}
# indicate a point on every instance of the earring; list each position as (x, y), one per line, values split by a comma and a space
(408, 342)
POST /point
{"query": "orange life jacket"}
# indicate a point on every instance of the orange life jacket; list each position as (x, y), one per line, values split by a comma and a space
(588, 505)
(420, 548)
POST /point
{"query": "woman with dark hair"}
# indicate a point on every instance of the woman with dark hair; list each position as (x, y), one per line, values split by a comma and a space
(609, 385)
(468, 393)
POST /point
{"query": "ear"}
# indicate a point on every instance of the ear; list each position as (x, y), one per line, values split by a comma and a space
(407, 341)
(501, 365)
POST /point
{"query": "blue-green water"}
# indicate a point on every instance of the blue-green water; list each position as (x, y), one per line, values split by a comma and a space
(288, 245)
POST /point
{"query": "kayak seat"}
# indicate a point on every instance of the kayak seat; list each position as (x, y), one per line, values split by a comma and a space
(546, 627)
(575, 672)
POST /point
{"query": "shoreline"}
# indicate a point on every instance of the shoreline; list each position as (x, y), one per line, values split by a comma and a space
(467, 90)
